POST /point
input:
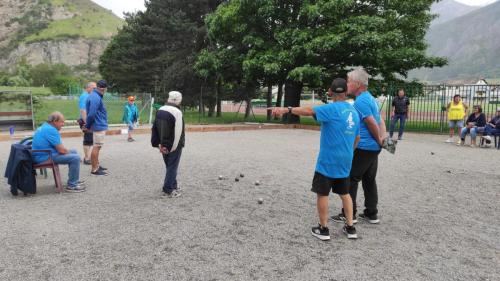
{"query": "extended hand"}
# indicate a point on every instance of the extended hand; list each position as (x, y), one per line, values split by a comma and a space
(278, 111)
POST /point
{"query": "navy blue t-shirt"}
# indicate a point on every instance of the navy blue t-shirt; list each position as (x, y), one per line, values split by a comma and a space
(339, 129)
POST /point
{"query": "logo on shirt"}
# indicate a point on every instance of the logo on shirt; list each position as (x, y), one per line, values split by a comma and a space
(350, 121)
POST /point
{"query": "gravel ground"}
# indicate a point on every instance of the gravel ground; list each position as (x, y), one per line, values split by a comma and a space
(437, 215)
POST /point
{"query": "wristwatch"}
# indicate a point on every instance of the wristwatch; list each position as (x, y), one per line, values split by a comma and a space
(290, 110)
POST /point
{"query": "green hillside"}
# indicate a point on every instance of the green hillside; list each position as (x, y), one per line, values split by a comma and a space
(89, 21)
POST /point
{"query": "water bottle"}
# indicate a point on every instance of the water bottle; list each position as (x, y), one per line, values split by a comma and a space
(12, 129)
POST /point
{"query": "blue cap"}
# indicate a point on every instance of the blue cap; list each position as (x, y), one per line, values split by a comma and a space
(102, 84)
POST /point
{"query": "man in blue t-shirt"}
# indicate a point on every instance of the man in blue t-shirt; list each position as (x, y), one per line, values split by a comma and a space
(365, 161)
(47, 137)
(339, 135)
(87, 135)
(97, 123)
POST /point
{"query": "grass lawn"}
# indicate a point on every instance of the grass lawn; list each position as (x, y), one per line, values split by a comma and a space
(69, 108)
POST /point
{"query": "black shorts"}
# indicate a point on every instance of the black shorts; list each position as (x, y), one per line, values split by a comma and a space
(323, 184)
(88, 139)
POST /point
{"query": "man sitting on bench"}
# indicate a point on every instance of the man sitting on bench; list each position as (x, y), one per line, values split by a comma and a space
(48, 137)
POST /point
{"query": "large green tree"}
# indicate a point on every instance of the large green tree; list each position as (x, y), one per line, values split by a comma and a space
(157, 48)
(307, 42)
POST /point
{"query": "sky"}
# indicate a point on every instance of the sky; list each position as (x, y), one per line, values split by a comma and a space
(120, 6)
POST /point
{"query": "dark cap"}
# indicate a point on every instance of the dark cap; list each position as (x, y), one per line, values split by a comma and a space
(102, 84)
(339, 86)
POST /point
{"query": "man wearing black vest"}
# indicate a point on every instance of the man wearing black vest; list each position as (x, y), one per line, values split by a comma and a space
(400, 111)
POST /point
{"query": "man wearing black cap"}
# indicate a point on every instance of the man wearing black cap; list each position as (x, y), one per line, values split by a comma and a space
(339, 136)
(97, 122)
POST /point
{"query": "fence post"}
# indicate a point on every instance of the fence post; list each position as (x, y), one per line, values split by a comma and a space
(151, 110)
(443, 98)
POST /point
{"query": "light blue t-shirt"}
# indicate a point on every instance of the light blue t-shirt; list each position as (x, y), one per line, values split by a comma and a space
(339, 128)
(82, 101)
(367, 106)
(46, 137)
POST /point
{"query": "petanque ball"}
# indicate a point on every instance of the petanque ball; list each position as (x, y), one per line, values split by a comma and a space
(257, 183)
(236, 179)
(242, 175)
(260, 201)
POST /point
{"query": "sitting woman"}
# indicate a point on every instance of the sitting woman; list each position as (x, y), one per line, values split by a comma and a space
(475, 123)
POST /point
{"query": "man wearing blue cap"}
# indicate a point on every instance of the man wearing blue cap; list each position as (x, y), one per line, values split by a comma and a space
(339, 136)
(97, 122)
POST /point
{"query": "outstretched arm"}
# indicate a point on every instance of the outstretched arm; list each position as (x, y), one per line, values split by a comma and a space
(301, 111)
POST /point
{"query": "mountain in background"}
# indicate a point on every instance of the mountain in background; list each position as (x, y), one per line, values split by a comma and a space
(72, 32)
(449, 9)
(470, 42)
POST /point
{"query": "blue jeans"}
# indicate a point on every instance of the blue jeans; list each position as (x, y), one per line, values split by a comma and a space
(490, 131)
(172, 164)
(472, 131)
(73, 161)
(402, 120)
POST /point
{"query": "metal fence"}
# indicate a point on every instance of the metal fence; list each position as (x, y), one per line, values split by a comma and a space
(428, 104)
(68, 106)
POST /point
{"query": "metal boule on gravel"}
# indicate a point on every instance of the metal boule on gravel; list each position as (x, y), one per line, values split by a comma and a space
(221, 177)
(242, 175)
(236, 179)
(260, 200)
(257, 183)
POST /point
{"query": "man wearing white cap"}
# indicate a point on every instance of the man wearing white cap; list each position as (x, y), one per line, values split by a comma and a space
(168, 135)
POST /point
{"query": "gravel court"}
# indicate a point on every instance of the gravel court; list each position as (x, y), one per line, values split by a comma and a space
(437, 215)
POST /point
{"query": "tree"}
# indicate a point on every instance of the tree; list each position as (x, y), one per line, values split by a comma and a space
(156, 50)
(301, 43)
(61, 84)
(44, 74)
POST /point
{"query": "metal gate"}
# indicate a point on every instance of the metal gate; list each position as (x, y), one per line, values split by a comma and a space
(428, 104)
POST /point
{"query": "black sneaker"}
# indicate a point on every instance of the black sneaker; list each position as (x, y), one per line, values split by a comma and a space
(350, 231)
(87, 162)
(341, 218)
(99, 172)
(322, 233)
(102, 168)
(373, 219)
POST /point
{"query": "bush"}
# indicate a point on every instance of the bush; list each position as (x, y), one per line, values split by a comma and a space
(62, 84)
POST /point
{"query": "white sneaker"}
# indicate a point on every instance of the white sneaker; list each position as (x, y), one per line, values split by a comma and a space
(487, 138)
(173, 194)
(459, 142)
(450, 140)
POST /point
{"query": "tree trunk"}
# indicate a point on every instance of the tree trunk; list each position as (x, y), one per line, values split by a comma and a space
(211, 106)
(279, 97)
(248, 107)
(219, 98)
(293, 91)
(269, 99)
